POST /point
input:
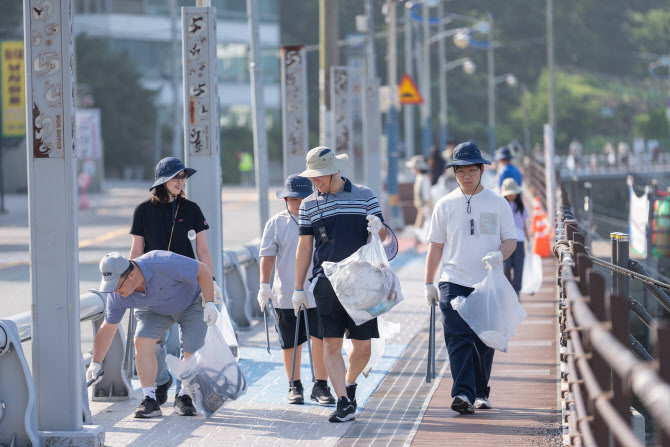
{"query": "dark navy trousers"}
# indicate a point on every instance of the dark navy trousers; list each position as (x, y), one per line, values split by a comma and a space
(470, 360)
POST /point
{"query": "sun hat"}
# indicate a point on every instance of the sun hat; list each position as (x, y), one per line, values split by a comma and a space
(295, 186)
(322, 161)
(504, 153)
(112, 267)
(509, 187)
(417, 162)
(467, 154)
(167, 168)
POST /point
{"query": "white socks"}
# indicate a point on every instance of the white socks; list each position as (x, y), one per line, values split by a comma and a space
(349, 384)
(150, 391)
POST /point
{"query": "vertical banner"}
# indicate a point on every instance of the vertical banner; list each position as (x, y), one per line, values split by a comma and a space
(294, 108)
(372, 132)
(341, 122)
(201, 122)
(638, 219)
(13, 89)
(89, 134)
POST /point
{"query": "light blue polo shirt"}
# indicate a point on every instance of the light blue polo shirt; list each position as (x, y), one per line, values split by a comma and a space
(171, 285)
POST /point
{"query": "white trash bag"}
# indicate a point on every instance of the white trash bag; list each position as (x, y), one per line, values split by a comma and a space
(211, 375)
(387, 330)
(226, 327)
(364, 282)
(531, 278)
(492, 310)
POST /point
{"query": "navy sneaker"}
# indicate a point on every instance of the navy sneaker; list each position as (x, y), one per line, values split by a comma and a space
(148, 408)
(183, 405)
(322, 395)
(351, 394)
(162, 391)
(462, 404)
(295, 395)
(345, 411)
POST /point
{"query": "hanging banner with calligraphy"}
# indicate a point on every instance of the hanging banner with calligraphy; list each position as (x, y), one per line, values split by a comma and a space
(13, 89)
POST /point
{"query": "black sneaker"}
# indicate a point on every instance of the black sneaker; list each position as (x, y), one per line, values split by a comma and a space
(351, 394)
(162, 391)
(345, 411)
(183, 405)
(148, 408)
(295, 395)
(322, 395)
(462, 405)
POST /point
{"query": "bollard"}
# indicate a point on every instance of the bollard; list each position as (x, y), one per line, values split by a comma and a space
(252, 278)
(620, 256)
(236, 289)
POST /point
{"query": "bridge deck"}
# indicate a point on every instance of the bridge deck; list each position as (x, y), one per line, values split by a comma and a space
(524, 387)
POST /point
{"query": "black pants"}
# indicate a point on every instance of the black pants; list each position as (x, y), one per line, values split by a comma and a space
(513, 266)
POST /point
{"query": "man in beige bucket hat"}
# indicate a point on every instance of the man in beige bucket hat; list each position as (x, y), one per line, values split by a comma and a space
(334, 222)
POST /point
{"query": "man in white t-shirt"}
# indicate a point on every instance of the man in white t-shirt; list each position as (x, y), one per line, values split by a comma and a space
(469, 225)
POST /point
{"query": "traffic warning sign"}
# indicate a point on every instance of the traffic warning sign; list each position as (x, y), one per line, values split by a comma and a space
(408, 92)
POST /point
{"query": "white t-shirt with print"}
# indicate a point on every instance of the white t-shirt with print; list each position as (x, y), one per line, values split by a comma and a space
(280, 239)
(492, 223)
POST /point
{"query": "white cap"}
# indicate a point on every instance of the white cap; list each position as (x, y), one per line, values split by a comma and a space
(112, 267)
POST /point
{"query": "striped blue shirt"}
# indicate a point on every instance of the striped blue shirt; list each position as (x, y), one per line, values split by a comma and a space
(343, 216)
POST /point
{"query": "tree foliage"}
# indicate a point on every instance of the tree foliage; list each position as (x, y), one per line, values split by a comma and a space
(127, 108)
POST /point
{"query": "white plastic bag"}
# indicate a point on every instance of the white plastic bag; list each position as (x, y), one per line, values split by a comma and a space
(387, 330)
(531, 278)
(492, 310)
(211, 375)
(226, 327)
(364, 282)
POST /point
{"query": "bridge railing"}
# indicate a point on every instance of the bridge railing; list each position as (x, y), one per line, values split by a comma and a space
(601, 374)
(17, 411)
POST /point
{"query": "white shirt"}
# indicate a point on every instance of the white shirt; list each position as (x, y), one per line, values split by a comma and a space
(492, 223)
(280, 239)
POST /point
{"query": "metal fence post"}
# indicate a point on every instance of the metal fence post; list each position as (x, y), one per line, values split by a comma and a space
(663, 358)
(588, 209)
(620, 329)
(620, 257)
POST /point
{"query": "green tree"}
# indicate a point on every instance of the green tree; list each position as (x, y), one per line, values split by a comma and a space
(127, 108)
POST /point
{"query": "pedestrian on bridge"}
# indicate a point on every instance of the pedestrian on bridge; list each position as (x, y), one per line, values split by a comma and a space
(164, 288)
(279, 243)
(507, 168)
(513, 265)
(163, 222)
(334, 223)
(470, 225)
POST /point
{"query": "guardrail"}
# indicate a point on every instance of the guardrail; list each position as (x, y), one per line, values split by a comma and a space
(18, 420)
(601, 373)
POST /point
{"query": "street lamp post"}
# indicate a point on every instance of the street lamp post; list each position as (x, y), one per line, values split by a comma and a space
(469, 68)
(427, 131)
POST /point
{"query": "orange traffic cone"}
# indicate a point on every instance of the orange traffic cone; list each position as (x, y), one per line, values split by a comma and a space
(537, 211)
(542, 246)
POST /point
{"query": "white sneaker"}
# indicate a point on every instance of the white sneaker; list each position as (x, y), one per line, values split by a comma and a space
(482, 404)
(462, 405)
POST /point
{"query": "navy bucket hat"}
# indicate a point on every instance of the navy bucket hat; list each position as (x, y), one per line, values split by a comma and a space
(467, 154)
(295, 186)
(167, 168)
(504, 153)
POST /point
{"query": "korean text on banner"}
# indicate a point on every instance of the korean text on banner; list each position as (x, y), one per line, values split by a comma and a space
(637, 222)
(13, 89)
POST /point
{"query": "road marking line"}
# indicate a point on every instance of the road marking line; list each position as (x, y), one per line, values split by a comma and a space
(530, 343)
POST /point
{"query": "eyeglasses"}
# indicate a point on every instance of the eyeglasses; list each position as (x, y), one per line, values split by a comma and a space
(122, 283)
(179, 178)
(467, 172)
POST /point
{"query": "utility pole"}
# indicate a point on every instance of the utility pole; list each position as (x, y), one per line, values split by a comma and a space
(174, 81)
(442, 73)
(427, 131)
(371, 60)
(408, 108)
(526, 129)
(258, 114)
(551, 104)
(491, 87)
(328, 57)
(392, 119)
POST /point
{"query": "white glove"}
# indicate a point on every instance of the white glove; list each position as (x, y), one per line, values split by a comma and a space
(92, 372)
(431, 294)
(495, 258)
(210, 313)
(264, 295)
(299, 298)
(374, 224)
(218, 294)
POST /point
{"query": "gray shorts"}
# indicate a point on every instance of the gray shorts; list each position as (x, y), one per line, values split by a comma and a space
(193, 328)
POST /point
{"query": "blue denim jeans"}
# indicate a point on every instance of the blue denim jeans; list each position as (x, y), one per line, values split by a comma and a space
(470, 360)
(513, 266)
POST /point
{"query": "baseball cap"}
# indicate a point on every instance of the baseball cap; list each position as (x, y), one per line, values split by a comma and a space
(504, 153)
(295, 186)
(112, 267)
